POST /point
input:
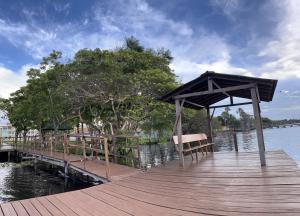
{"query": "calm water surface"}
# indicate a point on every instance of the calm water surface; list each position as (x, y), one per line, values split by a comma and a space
(26, 180)
(287, 139)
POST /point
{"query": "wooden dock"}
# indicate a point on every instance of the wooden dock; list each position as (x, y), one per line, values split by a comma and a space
(220, 184)
(95, 167)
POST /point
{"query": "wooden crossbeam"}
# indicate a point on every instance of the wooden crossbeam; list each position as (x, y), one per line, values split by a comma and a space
(195, 104)
(216, 84)
(228, 105)
(214, 91)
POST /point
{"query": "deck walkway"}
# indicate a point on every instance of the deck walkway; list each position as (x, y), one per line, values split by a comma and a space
(96, 167)
(221, 184)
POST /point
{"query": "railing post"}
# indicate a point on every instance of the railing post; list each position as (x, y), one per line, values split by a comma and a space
(51, 144)
(139, 153)
(34, 143)
(106, 158)
(65, 145)
(83, 147)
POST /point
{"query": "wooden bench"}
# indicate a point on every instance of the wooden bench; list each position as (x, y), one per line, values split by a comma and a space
(194, 143)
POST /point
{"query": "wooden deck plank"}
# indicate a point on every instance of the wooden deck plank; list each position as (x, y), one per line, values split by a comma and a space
(50, 207)
(32, 211)
(220, 184)
(8, 210)
(40, 208)
(20, 210)
(61, 206)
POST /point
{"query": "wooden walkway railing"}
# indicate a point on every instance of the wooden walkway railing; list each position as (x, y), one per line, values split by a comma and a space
(123, 150)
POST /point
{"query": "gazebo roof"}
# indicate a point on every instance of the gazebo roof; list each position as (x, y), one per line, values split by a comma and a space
(201, 93)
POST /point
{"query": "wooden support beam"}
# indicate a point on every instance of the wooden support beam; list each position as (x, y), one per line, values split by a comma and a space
(210, 84)
(212, 115)
(228, 105)
(224, 92)
(258, 124)
(177, 118)
(209, 138)
(231, 100)
(179, 132)
(195, 104)
(232, 88)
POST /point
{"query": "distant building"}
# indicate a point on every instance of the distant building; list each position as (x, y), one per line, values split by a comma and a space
(7, 130)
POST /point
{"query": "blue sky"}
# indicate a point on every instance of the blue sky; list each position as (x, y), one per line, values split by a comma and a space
(255, 38)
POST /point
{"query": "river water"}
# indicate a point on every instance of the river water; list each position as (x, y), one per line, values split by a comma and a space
(287, 139)
(26, 180)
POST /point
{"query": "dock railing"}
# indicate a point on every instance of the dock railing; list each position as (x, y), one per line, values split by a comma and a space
(124, 150)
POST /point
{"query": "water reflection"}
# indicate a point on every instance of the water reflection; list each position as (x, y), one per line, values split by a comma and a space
(26, 180)
(287, 139)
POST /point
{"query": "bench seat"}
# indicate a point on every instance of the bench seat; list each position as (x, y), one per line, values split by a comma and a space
(201, 141)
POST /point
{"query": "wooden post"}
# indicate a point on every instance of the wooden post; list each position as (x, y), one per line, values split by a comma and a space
(236, 148)
(34, 143)
(209, 130)
(139, 153)
(179, 132)
(51, 144)
(106, 158)
(259, 131)
(65, 145)
(83, 147)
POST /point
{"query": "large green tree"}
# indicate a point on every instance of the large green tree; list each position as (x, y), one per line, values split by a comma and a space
(112, 91)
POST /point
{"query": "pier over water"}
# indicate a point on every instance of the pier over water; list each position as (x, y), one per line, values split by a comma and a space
(219, 184)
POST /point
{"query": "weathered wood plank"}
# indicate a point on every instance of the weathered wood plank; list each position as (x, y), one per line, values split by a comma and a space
(8, 209)
(20, 210)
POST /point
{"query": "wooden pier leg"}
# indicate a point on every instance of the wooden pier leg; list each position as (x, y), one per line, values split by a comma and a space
(209, 130)
(179, 132)
(66, 166)
(258, 124)
(236, 148)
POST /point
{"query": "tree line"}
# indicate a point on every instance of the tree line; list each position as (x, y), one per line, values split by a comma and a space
(113, 92)
(110, 91)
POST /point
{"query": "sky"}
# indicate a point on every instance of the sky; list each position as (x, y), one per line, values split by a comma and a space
(254, 38)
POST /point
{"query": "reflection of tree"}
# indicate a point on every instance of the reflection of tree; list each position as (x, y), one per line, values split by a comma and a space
(229, 120)
(246, 120)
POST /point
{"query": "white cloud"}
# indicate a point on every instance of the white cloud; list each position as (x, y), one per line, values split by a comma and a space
(188, 70)
(194, 50)
(11, 81)
(201, 49)
(284, 49)
(227, 6)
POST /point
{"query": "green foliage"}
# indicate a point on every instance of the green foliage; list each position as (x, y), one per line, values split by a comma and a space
(196, 121)
(112, 91)
(229, 120)
(266, 122)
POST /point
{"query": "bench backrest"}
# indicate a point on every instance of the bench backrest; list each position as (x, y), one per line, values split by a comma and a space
(190, 138)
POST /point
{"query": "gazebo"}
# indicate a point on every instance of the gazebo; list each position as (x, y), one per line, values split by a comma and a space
(210, 88)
